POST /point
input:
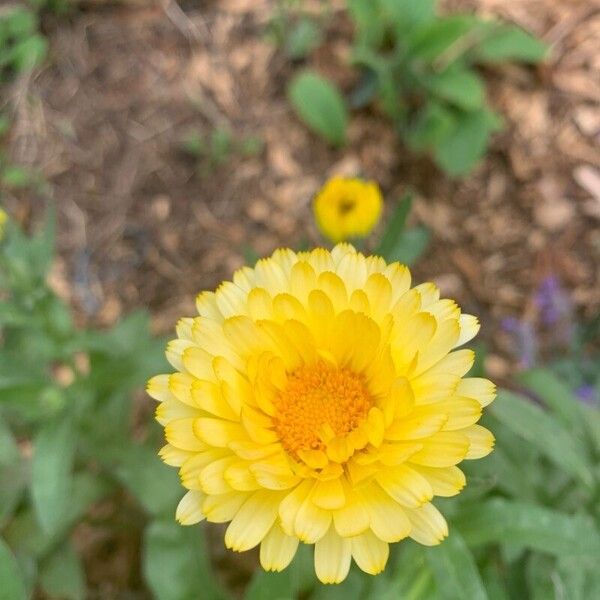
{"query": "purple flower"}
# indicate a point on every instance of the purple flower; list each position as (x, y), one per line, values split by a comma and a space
(524, 338)
(587, 394)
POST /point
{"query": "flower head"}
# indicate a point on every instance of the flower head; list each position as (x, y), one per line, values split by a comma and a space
(318, 398)
(347, 208)
(3, 219)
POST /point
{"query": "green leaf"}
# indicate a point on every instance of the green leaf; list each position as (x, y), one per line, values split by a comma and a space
(458, 152)
(432, 124)
(176, 564)
(395, 226)
(368, 21)
(293, 582)
(15, 177)
(457, 85)
(29, 53)
(541, 577)
(556, 395)
(407, 15)
(62, 575)
(508, 42)
(398, 244)
(511, 522)
(409, 245)
(27, 537)
(302, 39)
(455, 570)
(412, 577)
(156, 486)
(12, 586)
(433, 38)
(51, 485)
(320, 105)
(543, 432)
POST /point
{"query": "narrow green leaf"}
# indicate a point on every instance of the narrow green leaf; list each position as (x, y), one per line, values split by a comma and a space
(176, 564)
(368, 21)
(543, 432)
(62, 575)
(430, 40)
(320, 105)
(555, 394)
(460, 150)
(395, 226)
(508, 42)
(457, 85)
(455, 569)
(12, 585)
(51, 485)
(510, 522)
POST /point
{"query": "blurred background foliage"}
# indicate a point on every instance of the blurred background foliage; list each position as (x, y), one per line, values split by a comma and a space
(77, 441)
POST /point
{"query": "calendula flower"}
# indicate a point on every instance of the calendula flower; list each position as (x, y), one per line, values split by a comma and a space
(319, 399)
(3, 219)
(347, 208)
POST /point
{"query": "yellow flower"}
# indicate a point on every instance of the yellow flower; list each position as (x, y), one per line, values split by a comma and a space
(318, 398)
(3, 219)
(347, 208)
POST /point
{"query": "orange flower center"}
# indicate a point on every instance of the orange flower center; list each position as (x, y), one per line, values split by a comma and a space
(319, 401)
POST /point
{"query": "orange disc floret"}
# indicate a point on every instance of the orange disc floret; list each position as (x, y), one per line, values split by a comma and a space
(318, 399)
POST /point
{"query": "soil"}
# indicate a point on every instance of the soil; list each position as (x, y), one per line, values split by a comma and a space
(142, 223)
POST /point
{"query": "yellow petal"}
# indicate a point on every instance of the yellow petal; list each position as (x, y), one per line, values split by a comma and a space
(240, 477)
(208, 396)
(212, 476)
(469, 327)
(189, 509)
(221, 508)
(387, 518)
(352, 518)
(332, 557)
(481, 441)
(174, 457)
(444, 339)
(172, 410)
(312, 522)
(379, 292)
(375, 426)
(329, 494)
(277, 549)
(482, 390)
(182, 435)
(406, 486)
(275, 473)
(458, 363)
(158, 388)
(460, 412)
(335, 289)
(218, 432)
(194, 465)
(416, 427)
(206, 304)
(443, 449)
(253, 521)
(290, 505)
(231, 299)
(370, 553)
(428, 525)
(445, 481)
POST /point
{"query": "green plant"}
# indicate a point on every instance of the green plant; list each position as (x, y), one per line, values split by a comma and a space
(421, 69)
(22, 47)
(296, 31)
(219, 147)
(67, 439)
